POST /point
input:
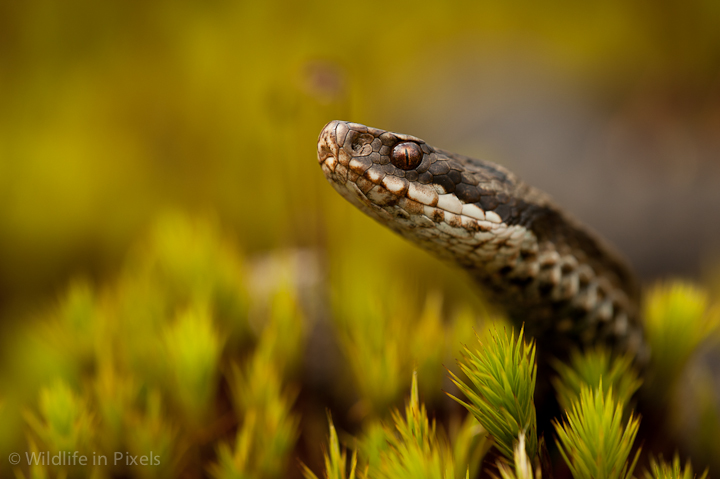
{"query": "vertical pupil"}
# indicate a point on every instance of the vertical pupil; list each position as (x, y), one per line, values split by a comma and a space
(406, 156)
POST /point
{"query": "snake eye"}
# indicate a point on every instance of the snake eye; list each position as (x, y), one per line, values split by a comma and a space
(406, 156)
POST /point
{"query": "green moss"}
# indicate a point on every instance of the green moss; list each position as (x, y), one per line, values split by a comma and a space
(677, 320)
(595, 368)
(659, 469)
(594, 440)
(410, 447)
(336, 465)
(196, 355)
(502, 375)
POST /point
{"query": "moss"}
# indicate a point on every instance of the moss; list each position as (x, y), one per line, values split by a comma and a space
(198, 357)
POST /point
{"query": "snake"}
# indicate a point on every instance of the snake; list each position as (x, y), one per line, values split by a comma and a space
(551, 274)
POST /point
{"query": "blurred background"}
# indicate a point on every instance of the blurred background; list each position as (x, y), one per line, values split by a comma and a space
(113, 113)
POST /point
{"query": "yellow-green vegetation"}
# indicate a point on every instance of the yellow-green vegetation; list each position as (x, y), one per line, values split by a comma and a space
(596, 436)
(111, 111)
(64, 422)
(595, 368)
(373, 320)
(198, 360)
(659, 469)
(411, 447)
(683, 320)
(216, 351)
(594, 440)
(144, 360)
(503, 373)
(335, 461)
(677, 319)
(193, 355)
(522, 467)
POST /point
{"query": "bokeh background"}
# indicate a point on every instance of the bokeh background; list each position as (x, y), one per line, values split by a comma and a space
(113, 113)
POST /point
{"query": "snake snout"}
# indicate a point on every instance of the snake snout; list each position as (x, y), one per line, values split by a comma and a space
(327, 142)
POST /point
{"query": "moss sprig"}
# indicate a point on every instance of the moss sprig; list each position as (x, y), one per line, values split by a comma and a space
(595, 368)
(594, 440)
(335, 459)
(522, 465)
(502, 375)
(678, 318)
(660, 469)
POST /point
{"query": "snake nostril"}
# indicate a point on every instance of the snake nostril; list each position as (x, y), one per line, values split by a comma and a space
(361, 145)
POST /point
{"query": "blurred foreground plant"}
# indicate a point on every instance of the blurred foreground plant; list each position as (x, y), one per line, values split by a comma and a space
(147, 358)
(659, 469)
(194, 357)
(269, 429)
(677, 320)
(65, 422)
(596, 369)
(415, 449)
(192, 351)
(335, 460)
(412, 448)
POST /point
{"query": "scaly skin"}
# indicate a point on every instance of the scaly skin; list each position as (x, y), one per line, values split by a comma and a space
(544, 268)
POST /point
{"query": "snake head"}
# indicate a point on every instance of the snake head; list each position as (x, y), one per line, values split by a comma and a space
(432, 197)
(358, 161)
(373, 164)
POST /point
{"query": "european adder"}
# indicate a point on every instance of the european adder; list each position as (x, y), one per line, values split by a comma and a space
(541, 266)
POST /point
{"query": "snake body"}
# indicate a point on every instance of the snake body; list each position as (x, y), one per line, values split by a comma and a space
(545, 269)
